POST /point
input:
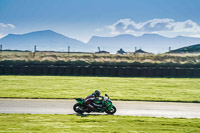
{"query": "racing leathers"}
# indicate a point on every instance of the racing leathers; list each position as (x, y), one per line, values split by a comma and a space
(89, 101)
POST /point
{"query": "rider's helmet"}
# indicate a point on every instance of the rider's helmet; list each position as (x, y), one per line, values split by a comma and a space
(97, 93)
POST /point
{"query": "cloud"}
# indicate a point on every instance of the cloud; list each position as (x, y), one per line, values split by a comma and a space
(6, 26)
(2, 35)
(166, 27)
(99, 29)
(195, 35)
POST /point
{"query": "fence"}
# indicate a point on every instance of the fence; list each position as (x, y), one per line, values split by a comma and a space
(101, 71)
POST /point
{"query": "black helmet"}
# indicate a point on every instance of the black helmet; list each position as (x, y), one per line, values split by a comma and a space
(97, 93)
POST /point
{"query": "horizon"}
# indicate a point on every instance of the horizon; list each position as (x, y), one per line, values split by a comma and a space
(127, 42)
(97, 36)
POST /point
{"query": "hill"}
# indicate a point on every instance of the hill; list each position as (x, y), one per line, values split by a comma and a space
(148, 42)
(48, 40)
(44, 40)
(189, 49)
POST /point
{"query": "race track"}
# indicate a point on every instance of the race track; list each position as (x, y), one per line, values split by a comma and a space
(132, 108)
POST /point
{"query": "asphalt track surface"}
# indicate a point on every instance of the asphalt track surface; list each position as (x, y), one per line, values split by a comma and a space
(130, 108)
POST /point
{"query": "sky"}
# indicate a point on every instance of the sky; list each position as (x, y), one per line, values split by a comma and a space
(82, 19)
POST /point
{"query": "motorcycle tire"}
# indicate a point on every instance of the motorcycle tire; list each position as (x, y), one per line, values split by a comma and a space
(112, 111)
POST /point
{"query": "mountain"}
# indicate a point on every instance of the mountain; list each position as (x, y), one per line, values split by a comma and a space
(189, 49)
(148, 42)
(47, 40)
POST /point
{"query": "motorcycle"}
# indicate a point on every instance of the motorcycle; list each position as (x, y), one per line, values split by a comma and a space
(106, 103)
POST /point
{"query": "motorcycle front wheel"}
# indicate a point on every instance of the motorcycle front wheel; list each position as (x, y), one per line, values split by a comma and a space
(78, 108)
(112, 111)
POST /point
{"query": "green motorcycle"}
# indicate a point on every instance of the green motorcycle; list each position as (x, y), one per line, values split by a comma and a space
(106, 103)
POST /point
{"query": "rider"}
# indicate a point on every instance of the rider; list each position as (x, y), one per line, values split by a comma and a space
(90, 100)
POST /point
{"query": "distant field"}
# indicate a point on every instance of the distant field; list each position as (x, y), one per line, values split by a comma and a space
(95, 123)
(147, 89)
(106, 59)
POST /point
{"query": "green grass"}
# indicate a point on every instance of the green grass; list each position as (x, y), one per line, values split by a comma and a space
(95, 123)
(147, 89)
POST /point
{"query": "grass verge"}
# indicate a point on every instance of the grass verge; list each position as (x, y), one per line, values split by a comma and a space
(95, 123)
(146, 89)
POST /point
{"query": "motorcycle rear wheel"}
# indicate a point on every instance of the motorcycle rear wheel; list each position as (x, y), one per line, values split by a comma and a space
(78, 108)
